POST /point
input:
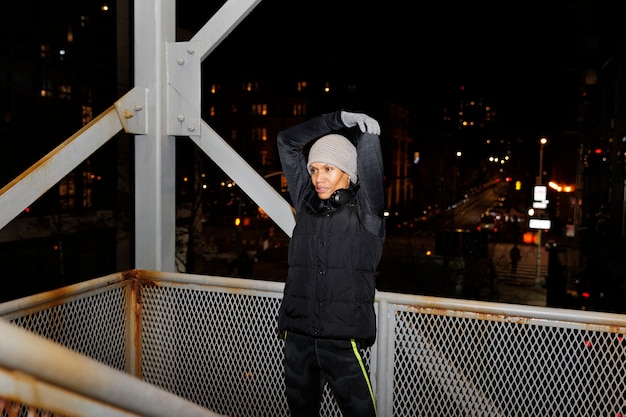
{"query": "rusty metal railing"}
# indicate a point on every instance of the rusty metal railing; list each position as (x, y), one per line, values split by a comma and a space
(145, 343)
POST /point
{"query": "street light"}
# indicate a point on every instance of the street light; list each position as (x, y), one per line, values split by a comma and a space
(542, 143)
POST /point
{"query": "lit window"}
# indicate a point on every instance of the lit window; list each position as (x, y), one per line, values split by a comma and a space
(259, 133)
(44, 51)
(87, 114)
(259, 109)
(46, 88)
(250, 86)
(67, 192)
(88, 179)
(299, 109)
(65, 92)
(264, 160)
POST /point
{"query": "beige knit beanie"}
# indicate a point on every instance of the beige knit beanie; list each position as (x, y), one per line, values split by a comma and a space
(335, 150)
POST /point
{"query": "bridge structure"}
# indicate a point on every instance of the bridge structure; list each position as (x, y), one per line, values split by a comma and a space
(153, 342)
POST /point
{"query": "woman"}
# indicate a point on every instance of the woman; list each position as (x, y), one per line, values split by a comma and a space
(327, 312)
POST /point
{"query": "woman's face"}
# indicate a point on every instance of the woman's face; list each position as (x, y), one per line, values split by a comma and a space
(327, 179)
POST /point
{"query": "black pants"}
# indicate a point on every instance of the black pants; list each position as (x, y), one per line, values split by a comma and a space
(311, 362)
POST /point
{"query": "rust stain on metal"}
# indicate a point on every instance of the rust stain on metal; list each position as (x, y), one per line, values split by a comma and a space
(137, 341)
(139, 277)
(470, 315)
(54, 298)
(617, 329)
(12, 404)
(135, 285)
(131, 274)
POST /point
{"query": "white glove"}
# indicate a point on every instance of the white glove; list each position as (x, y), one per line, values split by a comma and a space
(366, 123)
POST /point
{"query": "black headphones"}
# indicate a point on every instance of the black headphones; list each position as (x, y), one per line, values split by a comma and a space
(340, 197)
(337, 199)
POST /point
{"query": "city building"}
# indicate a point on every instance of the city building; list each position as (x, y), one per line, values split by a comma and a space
(61, 73)
(63, 70)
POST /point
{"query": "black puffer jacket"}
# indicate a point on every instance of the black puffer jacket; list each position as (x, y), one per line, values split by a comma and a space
(335, 249)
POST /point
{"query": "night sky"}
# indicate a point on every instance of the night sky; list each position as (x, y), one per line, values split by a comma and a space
(524, 57)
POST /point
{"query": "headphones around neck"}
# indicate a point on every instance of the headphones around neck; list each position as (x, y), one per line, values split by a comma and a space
(337, 199)
(341, 197)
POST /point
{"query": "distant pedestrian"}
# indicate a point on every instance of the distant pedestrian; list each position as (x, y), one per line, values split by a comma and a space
(515, 256)
(515, 228)
(268, 239)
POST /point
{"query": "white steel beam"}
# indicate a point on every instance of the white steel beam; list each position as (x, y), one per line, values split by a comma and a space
(183, 88)
(132, 111)
(164, 103)
(222, 23)
(209, 37)
(253, 184)
(155, 157)
(49, 170)
(39, 394)
(80, 381)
